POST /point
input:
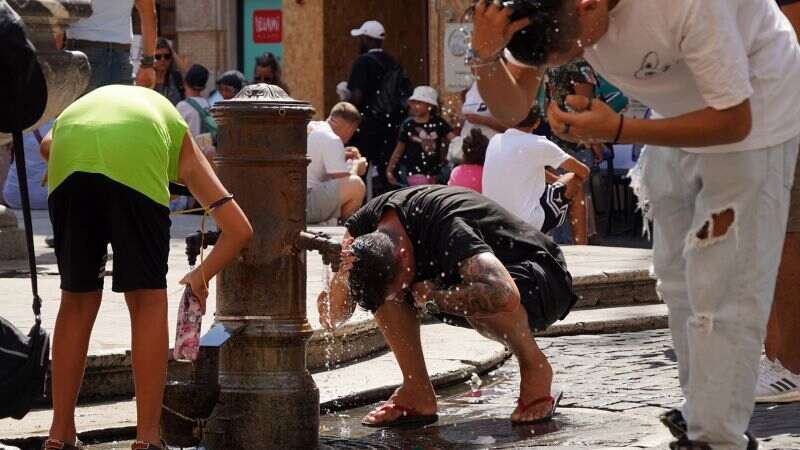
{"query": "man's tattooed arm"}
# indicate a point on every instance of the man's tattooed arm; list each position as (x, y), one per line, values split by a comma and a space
(487, 288)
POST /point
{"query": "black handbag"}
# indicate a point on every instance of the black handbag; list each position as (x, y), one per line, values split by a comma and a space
(24, 359)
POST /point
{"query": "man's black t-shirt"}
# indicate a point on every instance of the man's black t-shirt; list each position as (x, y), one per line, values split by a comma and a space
(450, 224)
(366, 75)
(425, 145)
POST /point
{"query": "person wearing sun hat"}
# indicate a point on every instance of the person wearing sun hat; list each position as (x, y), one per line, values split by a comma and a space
(377, 134)
(422, 144)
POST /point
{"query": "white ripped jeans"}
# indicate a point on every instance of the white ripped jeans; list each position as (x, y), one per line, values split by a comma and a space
(718, 289)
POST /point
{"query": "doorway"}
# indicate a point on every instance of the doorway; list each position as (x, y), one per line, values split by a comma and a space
(406, 23)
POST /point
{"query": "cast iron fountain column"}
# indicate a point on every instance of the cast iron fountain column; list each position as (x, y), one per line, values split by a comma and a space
(267, 396)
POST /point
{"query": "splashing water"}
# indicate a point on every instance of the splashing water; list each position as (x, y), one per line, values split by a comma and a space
(328, 338)
(474, 383)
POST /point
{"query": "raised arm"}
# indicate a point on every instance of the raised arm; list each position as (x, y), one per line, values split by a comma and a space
(486, 288)
(508, 90)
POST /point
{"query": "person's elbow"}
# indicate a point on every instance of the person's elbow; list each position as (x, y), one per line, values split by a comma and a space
(240, 232)
(738, 123)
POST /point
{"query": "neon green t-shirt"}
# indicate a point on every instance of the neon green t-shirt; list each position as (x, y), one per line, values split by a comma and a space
(132, 135)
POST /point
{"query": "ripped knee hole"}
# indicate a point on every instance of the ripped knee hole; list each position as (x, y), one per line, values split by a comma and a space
(719, 224)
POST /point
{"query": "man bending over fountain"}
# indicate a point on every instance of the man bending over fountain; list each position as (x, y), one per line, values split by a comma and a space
(456, 255)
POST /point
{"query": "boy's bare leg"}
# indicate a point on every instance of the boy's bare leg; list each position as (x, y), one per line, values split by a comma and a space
(513, 330)
(400, 328)
(148, 311)
(76, 317)
(783, 331)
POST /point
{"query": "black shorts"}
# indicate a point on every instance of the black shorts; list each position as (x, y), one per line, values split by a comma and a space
(90, 211)
(545, 292)
(555, 204)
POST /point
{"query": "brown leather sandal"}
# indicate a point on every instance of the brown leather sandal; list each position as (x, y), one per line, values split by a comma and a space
(53, 444)
(141, 445)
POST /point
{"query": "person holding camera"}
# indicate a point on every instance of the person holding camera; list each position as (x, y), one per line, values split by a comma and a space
(716, 177)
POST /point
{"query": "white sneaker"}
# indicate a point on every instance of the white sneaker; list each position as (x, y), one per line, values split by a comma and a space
(776, 384)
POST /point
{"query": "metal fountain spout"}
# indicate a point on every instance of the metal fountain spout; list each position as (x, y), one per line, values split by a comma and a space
(324, 244)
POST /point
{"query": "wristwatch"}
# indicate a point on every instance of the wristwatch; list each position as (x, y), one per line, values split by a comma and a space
(146, 61)
(472, 59)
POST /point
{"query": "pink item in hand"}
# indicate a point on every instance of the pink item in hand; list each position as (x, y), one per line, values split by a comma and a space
(187, 335)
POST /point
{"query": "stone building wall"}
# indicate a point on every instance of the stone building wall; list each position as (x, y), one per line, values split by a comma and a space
(318, 51)
(303, 52)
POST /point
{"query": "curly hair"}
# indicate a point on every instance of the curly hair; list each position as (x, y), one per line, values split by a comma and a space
(553, 28)
(374, 268)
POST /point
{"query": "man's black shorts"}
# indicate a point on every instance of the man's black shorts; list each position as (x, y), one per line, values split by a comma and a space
(543, 292)
(90, 211)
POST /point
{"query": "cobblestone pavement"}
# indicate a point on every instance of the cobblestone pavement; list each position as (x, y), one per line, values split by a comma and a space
(614, 388)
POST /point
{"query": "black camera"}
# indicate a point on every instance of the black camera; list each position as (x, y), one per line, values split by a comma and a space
(532, 44)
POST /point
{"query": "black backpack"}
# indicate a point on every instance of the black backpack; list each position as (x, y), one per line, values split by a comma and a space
(23, 368)
(393, 92)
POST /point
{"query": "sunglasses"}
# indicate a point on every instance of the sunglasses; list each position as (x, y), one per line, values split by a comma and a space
(164, 56)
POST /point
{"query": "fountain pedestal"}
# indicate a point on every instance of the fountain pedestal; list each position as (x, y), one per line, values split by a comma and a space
(267, 396)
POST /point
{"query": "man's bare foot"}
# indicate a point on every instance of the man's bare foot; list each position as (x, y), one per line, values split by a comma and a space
(422, 401)
(535, 385)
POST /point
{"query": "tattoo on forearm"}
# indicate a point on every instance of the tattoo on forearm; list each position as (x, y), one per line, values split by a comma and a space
(486, 288)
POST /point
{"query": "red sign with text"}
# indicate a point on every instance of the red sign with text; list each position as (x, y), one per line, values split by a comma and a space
(267, 26)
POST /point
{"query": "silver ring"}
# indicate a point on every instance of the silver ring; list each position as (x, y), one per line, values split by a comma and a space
(566, 128)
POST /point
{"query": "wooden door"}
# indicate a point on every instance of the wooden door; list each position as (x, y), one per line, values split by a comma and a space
(406, 23)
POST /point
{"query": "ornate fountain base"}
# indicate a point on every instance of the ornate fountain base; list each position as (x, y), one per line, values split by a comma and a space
(267, 397)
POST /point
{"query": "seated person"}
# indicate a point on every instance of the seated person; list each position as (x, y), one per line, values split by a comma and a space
(36, 169)
(335, 188)
(455, 254)
(515, 175)
(469, 174)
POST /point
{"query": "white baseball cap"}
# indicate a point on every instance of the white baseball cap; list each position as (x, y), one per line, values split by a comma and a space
(425, 94)
(370, 28)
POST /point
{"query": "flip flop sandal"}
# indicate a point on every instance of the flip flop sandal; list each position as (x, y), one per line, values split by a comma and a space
(549, 399)
(141, 445)
(52, 444)
(409, 418)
